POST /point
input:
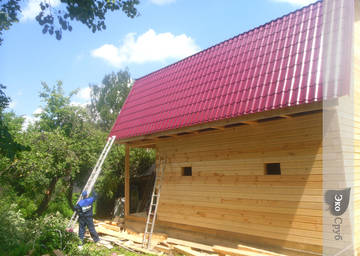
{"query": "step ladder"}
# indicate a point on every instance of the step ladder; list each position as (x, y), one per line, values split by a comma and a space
(92, 179)
(155, 198)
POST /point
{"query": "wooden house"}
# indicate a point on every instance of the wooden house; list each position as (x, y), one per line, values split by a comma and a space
(241, 125)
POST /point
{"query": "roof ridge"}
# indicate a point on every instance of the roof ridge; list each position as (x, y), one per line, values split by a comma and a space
(229, 39)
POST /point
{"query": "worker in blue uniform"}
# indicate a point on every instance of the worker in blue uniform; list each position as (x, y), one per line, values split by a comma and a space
(85, 211)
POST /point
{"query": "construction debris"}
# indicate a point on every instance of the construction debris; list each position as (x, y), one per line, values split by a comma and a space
(112, 235)
(243, 251)
(192, 245)
(186, 251)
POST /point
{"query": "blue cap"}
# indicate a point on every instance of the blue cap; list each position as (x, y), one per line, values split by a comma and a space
(84, 193)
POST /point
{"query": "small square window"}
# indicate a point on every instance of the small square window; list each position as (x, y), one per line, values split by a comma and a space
(272, 169)
(186, 171)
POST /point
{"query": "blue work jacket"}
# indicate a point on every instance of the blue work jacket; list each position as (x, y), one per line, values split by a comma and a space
(85, 206)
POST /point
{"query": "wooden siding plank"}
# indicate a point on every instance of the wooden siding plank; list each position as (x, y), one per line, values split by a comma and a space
(229, 191)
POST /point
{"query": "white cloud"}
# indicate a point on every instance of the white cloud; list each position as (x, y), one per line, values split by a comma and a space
(38, 111)
(12, 104)
(109, 53)
(296, 2)
(162, 2)
(84, 93)
(79, 104)
(32, 8)
(30, 120)
(148, 47)
(82, 98)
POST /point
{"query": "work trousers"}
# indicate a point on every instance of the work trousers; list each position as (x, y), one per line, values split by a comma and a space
(87, 221)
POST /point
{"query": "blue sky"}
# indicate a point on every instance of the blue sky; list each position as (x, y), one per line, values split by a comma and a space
(166, 31)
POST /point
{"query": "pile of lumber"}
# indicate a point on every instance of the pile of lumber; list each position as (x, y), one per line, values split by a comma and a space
(112, 234)
(173, 246)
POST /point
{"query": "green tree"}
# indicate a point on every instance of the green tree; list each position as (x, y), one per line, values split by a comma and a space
(38, 171)
(4, 100)
(108, 98)
(56, 20)
(83, 140)
(8, 146)
(64, 146)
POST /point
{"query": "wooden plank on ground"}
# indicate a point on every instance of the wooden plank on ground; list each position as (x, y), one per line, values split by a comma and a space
(186, 251)
(142, 250)
(105, 244)
(163, 249)
(120, 235)
(165, 243)
(252, 249)
(221, 250)
(193, 245)
(109, 226)
(109, 238)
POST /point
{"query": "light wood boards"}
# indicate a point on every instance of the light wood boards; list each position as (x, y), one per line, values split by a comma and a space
(193, 245)
(163, 249)
(186, 251)
(252, 249)
(356, 74)
(229, 191)
(127, 180)
(111, 227)
(151, 138)
(244, 251)
(120, 235)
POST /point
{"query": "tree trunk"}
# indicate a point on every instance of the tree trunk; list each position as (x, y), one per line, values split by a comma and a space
(69, 194)
(45, 202)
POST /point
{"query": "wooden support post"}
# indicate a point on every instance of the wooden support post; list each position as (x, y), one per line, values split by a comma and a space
(127, 180)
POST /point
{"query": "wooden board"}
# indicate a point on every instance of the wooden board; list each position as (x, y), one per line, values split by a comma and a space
(193, 245)
(229, 191)
(356, 74)
(127, 180)
(111, 227)
(186, 251)
(221, 250)
(120, 235)
(252, 249)
(163, 249)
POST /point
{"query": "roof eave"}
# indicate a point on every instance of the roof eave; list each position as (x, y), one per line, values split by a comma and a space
(220, 124)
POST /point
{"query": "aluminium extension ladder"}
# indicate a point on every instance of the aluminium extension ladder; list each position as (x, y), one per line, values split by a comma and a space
(93, 177)
(155, 198)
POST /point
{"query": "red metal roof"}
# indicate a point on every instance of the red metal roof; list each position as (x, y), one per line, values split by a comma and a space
(270, 67)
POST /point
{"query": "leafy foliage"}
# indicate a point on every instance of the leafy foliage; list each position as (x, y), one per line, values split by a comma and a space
(49, 233)
(4, 100)
(36, 185)
(56, 20)
(8, 146)
(108, 98)
(9, 11)
(64, 147)
(12, 228)
(18, 235)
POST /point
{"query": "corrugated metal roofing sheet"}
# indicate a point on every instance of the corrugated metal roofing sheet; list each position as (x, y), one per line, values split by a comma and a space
(272, 66)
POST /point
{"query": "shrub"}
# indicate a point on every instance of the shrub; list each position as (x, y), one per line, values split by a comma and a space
(49, 233)
(13, 230)
(18, 236)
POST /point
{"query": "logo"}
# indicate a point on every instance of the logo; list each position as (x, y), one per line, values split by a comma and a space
(338, 201)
